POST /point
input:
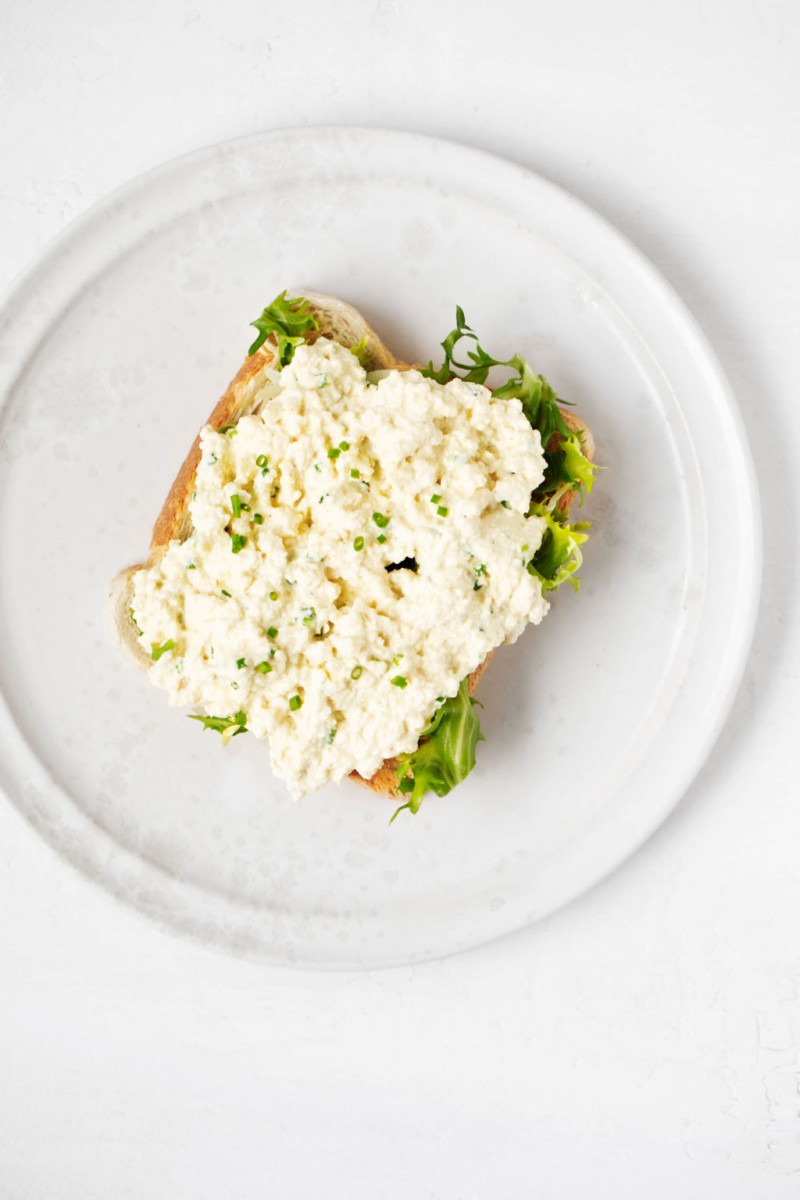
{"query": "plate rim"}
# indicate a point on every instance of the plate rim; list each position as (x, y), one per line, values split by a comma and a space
(104, 876)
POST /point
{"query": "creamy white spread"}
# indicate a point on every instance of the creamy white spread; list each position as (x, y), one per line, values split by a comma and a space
(279, 605)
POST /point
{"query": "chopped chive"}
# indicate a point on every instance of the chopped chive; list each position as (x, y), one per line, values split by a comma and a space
(225, 593)
(442, 511)
(273, 595)
(344, 445)
(358, 544)
(263, 462)
(272, 632)
(505, 504)
(236, 505)
(355, 473)
(525, 547)
(191, 567)
(399, 681)
(381, 538)
(334, 452)
(264, 668)
(295, 703)
(308, 615)
(331, 735)
(380, 520)
(132, 616)
(356, 672)
(435, 498)
(229, 429)
(235, 686)
(238, 542)
(156, 651)
(241, 662)
(258, 519)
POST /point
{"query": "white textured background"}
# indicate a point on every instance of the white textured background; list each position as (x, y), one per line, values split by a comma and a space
(645, 1041)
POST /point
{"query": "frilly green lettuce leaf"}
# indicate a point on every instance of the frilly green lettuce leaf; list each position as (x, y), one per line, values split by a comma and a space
(565, 461)
(559, 555)
(446, 753)
(289, 320)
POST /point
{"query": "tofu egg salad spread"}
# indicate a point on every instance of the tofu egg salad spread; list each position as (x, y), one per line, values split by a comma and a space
(359, 544)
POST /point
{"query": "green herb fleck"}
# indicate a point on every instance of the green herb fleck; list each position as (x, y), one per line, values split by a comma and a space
(442, 511)
(355, 473)
(272, 632)
(258, 519)
(381, 538)
(225, 593)
(380, 520)
(135, 622)
(264, 668)
(295, 703)
(308, 615)
(156, 651)
(400, 681)
(238, 542)
(435, 498)
(358, 544)
(360, 351)
(241, 662)
(334, 452)
(273, 595)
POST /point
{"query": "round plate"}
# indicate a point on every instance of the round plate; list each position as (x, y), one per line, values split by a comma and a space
(114, 349)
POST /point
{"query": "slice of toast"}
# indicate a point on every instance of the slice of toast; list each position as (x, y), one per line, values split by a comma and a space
(342, 323)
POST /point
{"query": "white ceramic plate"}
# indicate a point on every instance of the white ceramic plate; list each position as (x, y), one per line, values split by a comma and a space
(114, 349)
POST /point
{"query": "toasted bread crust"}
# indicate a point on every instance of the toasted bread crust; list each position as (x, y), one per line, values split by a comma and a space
(344, 324)
(172, 521)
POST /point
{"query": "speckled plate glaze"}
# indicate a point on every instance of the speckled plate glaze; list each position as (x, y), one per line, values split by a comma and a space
(114, 348)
